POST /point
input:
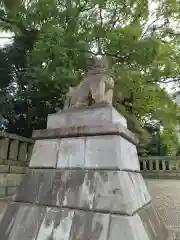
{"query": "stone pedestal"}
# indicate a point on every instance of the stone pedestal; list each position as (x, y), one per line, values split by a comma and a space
(84, 182)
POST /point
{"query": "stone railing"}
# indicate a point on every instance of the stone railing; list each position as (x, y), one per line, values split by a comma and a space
(160, 166)
(15, 150)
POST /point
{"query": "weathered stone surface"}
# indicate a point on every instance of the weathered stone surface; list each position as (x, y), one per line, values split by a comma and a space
(45, 187)
(4, 168)
(84, 131)
(95, 115)
(4, 144)
(56, 224)
(8, 220)
(3, 192)
(87, 225)
(127, 228)
(45, 153)
(72, 153)
(152, 223)
(98, 152)
(14, 180)
(107, 152)
(85, 189)
(27, 223)
(29, 187)
(140, 187)
(3, 208)
(79, 189)
(10, 179)
(58, 188)
(13, 149)
(119, 192)
(29, 151)
(17, 169)
(22, 156)
(11, 191)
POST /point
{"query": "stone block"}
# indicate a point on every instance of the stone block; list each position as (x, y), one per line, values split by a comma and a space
(72, 153)
(13, 150)
(29, 151)
(58, 187)
(45, 153)
(86, 130)
(29, 187)
(109, 191)
(4, 144)
(56, 224)
(4, 168)
(127, 228)
(107, 152)
(3, 207)
(3, 161)
(17, 169)
(79, 189)
(3, 180)
(44, 193)
(22, 156)
(89, 225)
(27, 223)
(11, 191)
(119, 192)
(140, 187)
(8, 220)
(14, 180)
(152, 223)
(3, 192)
(85, 116)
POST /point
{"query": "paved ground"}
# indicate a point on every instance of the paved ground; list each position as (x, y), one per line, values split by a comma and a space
(166, 197)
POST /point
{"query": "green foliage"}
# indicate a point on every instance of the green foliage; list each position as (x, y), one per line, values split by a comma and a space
(54, 41)
(169, 142)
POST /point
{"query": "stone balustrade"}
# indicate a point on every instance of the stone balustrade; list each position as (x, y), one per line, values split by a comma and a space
(15, 150)
(160, 166)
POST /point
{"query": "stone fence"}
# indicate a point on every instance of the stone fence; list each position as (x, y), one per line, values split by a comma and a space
(15, 152)
(160, 166)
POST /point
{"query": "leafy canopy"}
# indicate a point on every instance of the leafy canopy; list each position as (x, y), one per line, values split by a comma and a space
(54, 41)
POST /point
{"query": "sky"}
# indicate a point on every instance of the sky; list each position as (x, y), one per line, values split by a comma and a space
(3, 39)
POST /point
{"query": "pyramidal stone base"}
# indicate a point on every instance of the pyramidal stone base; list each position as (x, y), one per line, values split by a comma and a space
(84, 183)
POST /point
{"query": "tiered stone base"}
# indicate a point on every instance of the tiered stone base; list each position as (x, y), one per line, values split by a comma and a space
(84, 184)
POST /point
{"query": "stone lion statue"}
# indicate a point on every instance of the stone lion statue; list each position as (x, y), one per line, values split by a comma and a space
(96, 87)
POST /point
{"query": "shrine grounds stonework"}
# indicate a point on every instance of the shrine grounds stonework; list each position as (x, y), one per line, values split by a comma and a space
(84, 182)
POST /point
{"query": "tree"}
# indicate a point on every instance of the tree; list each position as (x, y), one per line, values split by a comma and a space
(66, 34)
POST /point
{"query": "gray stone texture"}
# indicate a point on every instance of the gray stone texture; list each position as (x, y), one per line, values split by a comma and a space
(45, 153)
(10, 179)
(83, 131)
(13, 149)
(154, 227)
(85, 189)
(29, 187)
(98, 152)
(25, 221)
(71, 153)
(23, 147)
(4, 144)
(108, 152)
(85, 116)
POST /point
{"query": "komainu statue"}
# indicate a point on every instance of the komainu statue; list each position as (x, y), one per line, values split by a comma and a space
(96, 87)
